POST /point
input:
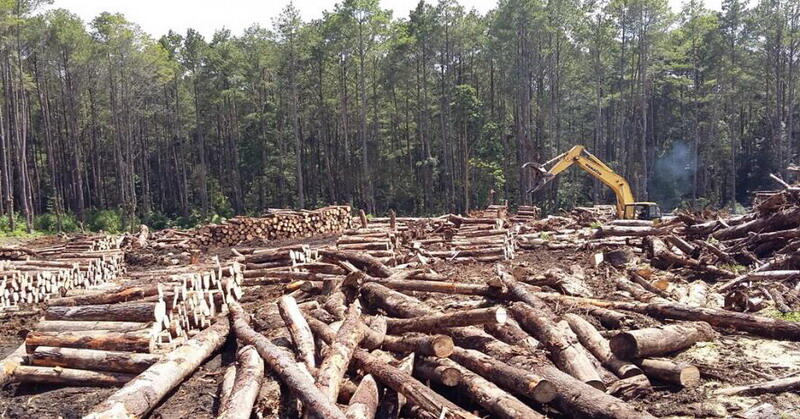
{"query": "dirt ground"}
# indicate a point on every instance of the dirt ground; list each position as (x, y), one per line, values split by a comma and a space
(731, 360)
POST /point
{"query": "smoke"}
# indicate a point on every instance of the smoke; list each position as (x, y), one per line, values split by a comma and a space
(673, 175)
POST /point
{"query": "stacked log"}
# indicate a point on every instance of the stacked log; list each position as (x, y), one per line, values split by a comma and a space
(78, 264)
(525, 214)
(275, 225)
(105, 339)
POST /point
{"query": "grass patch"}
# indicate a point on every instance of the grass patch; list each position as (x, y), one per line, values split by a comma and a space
(792, 316)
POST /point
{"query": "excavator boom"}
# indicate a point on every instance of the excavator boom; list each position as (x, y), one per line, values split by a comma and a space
(626, 205)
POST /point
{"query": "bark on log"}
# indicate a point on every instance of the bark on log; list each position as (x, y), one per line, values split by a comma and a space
(364, 402)
(143, 393)
(437, 322)
(246, 386)
(440, 287)
(773, 386)
(89, 359)
(662, 257)
(79, 326)
(684, 375)
(630, 388)
(657, 341)
(362, 261)
(316, 403)
(127, 294)
(299, 331)
(100, 340)
(573, 396)
(434, 345)
(129, 312)
(780, 220)
(514, 379)
(12, 361)
(753, 324)
(591, 339)
(432, 370)
(399, 381)
(226, 387)
(340, 352)
(68, 376)
(536, 322)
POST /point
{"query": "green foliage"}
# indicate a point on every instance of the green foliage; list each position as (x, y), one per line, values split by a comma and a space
(19, 229)
(107, 220)
(792, 316)
(49, 223)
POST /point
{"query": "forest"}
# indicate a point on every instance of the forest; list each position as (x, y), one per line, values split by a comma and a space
(425, 113)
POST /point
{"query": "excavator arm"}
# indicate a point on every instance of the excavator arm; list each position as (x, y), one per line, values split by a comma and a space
(588, 162)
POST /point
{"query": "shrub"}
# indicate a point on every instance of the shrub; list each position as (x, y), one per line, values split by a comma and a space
(107, 220)
(49, 223)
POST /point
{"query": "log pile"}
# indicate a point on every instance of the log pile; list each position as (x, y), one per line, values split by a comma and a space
(275, 225)
(525, 214)
(106, 339)
(80, 263)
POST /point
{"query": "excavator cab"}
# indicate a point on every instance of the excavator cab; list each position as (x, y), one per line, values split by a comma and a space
(642, 211)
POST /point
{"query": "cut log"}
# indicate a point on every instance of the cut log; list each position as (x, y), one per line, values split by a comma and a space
(340, 352)
(684, 375)
(299, 330)
(573, 396)
(440, 287)
(129, 312)
(432, 370)
(363, 261)
(591, 339)
(428, 324)
(489, 396)
(79, 326)
(657, 341)
(433, 345)
(513, 379)
(364, 402)
(774, 386)
(753, 324)
(226, 387)
(89, 359)
(12, 361)
(316, 403)
(399, 381)
(68, 376)
(100, 340)
(246, 386)
(662, 257)
(538, 323)
(139, 396)
(127, 294)
(634, 387)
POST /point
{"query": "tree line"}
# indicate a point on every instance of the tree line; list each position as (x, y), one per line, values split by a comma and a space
(422, 113)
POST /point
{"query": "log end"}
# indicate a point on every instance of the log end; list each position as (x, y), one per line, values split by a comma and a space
(543, 391)
(451, 377)
(689, 376)
(623, 345)
(442, 346)
(501, 315)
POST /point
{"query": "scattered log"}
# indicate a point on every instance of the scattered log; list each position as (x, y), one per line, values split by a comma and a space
(69, 376)
(753, 324)
(515, 380)
(90, 359)
(298, 329)
(340, 352)
(363, 261)
(316, 403)
(681, 374)
(656, 341)
(539, 324)
(428, 324)
(489, 396)
(591, 339)
(364, 402)
(773, 386)
(140, 395)
(399, 381)
(246, 386)
(433, 370)
(633, 387)
(427, 345)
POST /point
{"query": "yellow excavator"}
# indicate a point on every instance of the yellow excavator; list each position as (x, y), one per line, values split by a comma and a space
(627, 207)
